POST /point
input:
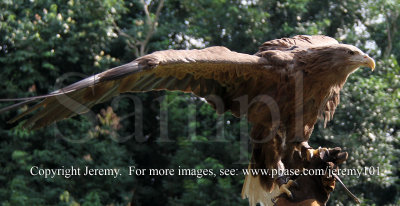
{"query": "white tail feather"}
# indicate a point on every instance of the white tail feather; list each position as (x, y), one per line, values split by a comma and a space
(253, 190)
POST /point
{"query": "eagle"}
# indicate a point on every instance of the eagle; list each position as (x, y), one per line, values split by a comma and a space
(283, 90)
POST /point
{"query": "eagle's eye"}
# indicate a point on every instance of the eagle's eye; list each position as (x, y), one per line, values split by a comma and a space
(351, 52)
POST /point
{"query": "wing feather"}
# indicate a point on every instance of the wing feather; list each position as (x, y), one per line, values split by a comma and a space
(299, 41)
(210, 71)
(331, 104)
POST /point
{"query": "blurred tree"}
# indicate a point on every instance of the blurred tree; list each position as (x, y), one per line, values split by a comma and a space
(43, 40)
(40, 41)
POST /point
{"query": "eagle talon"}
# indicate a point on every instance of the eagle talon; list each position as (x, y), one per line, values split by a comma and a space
(295, 184)
(284, 189)
(312, 152)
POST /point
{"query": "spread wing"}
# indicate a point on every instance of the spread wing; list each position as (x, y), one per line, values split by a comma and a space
(215, 73)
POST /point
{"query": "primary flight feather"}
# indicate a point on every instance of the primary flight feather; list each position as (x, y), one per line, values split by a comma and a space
(283, 89)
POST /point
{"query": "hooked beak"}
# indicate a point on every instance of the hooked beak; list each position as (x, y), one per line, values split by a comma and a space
(369, 62)
(363, 60)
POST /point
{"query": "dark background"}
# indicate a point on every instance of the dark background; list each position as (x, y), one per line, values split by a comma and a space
(43, 40)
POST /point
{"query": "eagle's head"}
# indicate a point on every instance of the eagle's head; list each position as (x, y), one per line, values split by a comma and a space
(336, 59)
(350, 58)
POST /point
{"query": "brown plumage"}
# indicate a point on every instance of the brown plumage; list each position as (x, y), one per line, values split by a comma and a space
(288, 84)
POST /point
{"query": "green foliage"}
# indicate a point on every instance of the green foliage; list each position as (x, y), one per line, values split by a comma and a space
(43, 40)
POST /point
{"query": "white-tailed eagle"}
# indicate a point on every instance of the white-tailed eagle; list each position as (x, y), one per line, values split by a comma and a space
(288, 84)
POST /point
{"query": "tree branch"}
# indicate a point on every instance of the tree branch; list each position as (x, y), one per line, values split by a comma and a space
(130, 39)
(152, 24)
(140, 47)
(391, 28)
